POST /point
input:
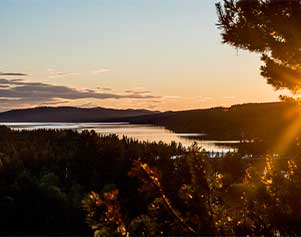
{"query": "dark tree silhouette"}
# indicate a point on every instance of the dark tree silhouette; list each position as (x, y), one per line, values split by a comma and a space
(271, 28)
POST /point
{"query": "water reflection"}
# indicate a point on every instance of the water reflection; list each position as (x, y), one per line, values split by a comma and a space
(140, 132)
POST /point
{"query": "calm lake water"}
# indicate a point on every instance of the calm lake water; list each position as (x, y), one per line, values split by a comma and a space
(143, 132)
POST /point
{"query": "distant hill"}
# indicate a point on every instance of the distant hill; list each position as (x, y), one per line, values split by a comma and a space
(254, 120)
(69, 114)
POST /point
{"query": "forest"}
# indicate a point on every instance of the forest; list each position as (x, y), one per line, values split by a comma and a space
(251, 120)
(60, 182)
(241, 121)
(69, 183)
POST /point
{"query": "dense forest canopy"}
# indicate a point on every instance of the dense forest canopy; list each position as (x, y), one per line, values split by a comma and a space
(270, 28)
(44, 176)
(243, 121)
(69, 114)
(62, 182)
(247, 121)
(69, 183)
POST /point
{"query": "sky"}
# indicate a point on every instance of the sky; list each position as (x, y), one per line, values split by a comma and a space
(150, 54)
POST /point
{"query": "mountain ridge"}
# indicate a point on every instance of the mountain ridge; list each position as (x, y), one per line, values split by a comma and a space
(242, 121)
(69, 114)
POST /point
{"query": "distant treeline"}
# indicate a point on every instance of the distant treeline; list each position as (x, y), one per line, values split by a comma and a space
(67, 183)
(69, 114)
(246, 121)
(44, 175)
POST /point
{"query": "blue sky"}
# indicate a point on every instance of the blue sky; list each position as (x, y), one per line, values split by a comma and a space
(167, 52)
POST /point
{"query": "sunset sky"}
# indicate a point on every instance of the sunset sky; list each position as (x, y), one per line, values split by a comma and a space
(152, 54)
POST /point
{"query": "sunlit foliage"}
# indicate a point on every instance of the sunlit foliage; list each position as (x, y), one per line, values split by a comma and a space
(67, 183)
(270, 28)
(221, 197)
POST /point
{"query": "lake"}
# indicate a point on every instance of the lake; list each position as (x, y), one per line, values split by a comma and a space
(140, 132)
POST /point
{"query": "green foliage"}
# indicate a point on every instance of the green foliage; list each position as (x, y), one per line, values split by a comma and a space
(45, 174)
(246, 121)
(228, 196)
(268, 27)
(68, 183)
(104, 215)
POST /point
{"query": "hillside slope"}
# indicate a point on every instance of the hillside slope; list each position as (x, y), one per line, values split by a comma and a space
(261, 120)
(68, 114)
(255, 120)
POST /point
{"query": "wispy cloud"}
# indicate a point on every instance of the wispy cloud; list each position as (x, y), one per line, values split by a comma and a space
(67, 73)
(59, 102)
(203, 98)
(53, 73)
(137, 92)
(100, 71)
(4, 86)
(172, 97)
(87, 105)
(20, 93)
(104, 88)
(229, 97)
(13, 74)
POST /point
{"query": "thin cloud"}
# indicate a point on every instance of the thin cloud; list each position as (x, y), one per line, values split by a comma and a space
(20, 93)
(104, 88)
(172, 97)
(4, 86)
(86, 105)
(100, 71)
(54, 73)
(67, 73)
(53, 103)
(13, 74)
(229, 97)
(137, 92)
(152, 106)
(203, 98)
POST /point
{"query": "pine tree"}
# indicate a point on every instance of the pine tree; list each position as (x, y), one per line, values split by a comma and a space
(271, 28)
